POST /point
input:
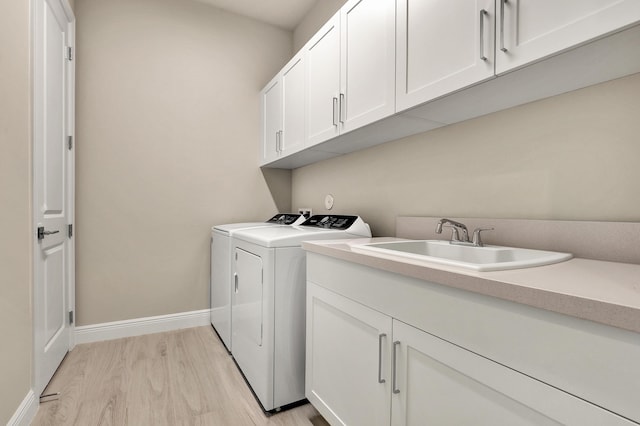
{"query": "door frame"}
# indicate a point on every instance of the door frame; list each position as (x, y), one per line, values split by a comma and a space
(36, 72)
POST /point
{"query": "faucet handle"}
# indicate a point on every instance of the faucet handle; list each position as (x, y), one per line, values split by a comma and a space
(477, 240)
(455, 235)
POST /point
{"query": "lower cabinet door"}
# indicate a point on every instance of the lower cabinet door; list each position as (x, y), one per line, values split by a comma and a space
(439, 383)
(348, 371)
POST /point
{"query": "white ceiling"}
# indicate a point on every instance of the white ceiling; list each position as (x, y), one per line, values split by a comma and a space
(285, 14)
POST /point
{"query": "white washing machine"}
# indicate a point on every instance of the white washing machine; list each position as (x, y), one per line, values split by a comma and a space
(221, 278)
(268, 303)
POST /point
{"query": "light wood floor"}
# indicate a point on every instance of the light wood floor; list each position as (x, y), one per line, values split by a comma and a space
(182, 377)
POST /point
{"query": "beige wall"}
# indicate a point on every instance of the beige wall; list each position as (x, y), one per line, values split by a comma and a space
(320, 13)
(15, 208)
(570, 157)
(167, 130)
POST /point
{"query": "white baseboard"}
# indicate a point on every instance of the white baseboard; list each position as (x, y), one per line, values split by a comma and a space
(26, 412)
(140, 326)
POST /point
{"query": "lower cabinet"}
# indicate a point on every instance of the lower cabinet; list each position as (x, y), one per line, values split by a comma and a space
(347, 360)
(438, 383)
(363, 367)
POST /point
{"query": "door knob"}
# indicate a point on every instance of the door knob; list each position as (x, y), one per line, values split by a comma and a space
(42, 233)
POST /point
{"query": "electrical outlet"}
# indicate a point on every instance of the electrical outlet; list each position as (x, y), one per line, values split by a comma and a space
(305, 212)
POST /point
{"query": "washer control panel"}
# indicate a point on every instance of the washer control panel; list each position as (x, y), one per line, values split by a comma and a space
(285, 218)
(340, 222)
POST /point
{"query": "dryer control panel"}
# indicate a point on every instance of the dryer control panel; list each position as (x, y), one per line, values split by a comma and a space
(285, 218)
(339, 222)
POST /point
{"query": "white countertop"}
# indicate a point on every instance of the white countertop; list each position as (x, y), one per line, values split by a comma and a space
(604, 292)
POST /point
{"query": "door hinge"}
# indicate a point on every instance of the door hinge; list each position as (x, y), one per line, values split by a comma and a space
(70, 53)
(69, 141)
(70, 230)
(70, 317)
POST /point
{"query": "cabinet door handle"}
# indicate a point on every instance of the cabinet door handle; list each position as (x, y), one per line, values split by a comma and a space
(482, 15)
(380, 337)
(395, 370)
(343, 108)
(235, 282)
(335, 110)
(277, 141)
(502, 2)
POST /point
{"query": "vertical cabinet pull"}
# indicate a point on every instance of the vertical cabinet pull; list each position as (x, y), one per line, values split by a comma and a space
(343, 108)
(335, 111)
(395, 369)
(380, 337)
(235, 282)
(502, 2)
(482, 15)
(279, 141)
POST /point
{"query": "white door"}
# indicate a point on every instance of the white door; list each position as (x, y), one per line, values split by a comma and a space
(528, 30)
(442, 47)
(368, 62)
(293, 104)
(52, 186)
(323, 82)
(439, 383)
(348, 375)
(271, 119)
(251, 341)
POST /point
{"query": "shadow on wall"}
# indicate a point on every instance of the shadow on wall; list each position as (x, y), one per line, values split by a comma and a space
(279, 184)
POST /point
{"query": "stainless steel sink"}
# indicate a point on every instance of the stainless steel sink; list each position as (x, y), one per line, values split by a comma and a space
(486, 258)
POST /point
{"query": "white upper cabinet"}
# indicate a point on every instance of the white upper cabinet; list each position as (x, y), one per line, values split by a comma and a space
(367, 79)
(271, 99)
(528, 30)
(283, 117)
(351, 70)
(323, 82)
(442, 47)
(380, 70)
(293, 104)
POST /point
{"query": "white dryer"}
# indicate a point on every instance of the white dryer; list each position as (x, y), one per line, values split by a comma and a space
(268, 303)
(221, 258)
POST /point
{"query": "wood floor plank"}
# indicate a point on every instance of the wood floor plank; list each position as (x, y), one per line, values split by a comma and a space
(182, 377)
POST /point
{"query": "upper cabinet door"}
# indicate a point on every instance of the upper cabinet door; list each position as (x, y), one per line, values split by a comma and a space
(442, 47)
(271, 98)
(368, 62)
(528, 30)
(323, 82)
(293, 117)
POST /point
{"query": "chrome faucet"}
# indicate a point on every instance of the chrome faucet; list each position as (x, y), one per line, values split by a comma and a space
(456, 228)
(459, 229)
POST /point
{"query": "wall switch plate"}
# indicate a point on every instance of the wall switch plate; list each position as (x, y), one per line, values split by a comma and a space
(305, 212)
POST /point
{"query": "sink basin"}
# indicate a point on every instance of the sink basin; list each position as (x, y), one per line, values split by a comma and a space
(487, 258)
